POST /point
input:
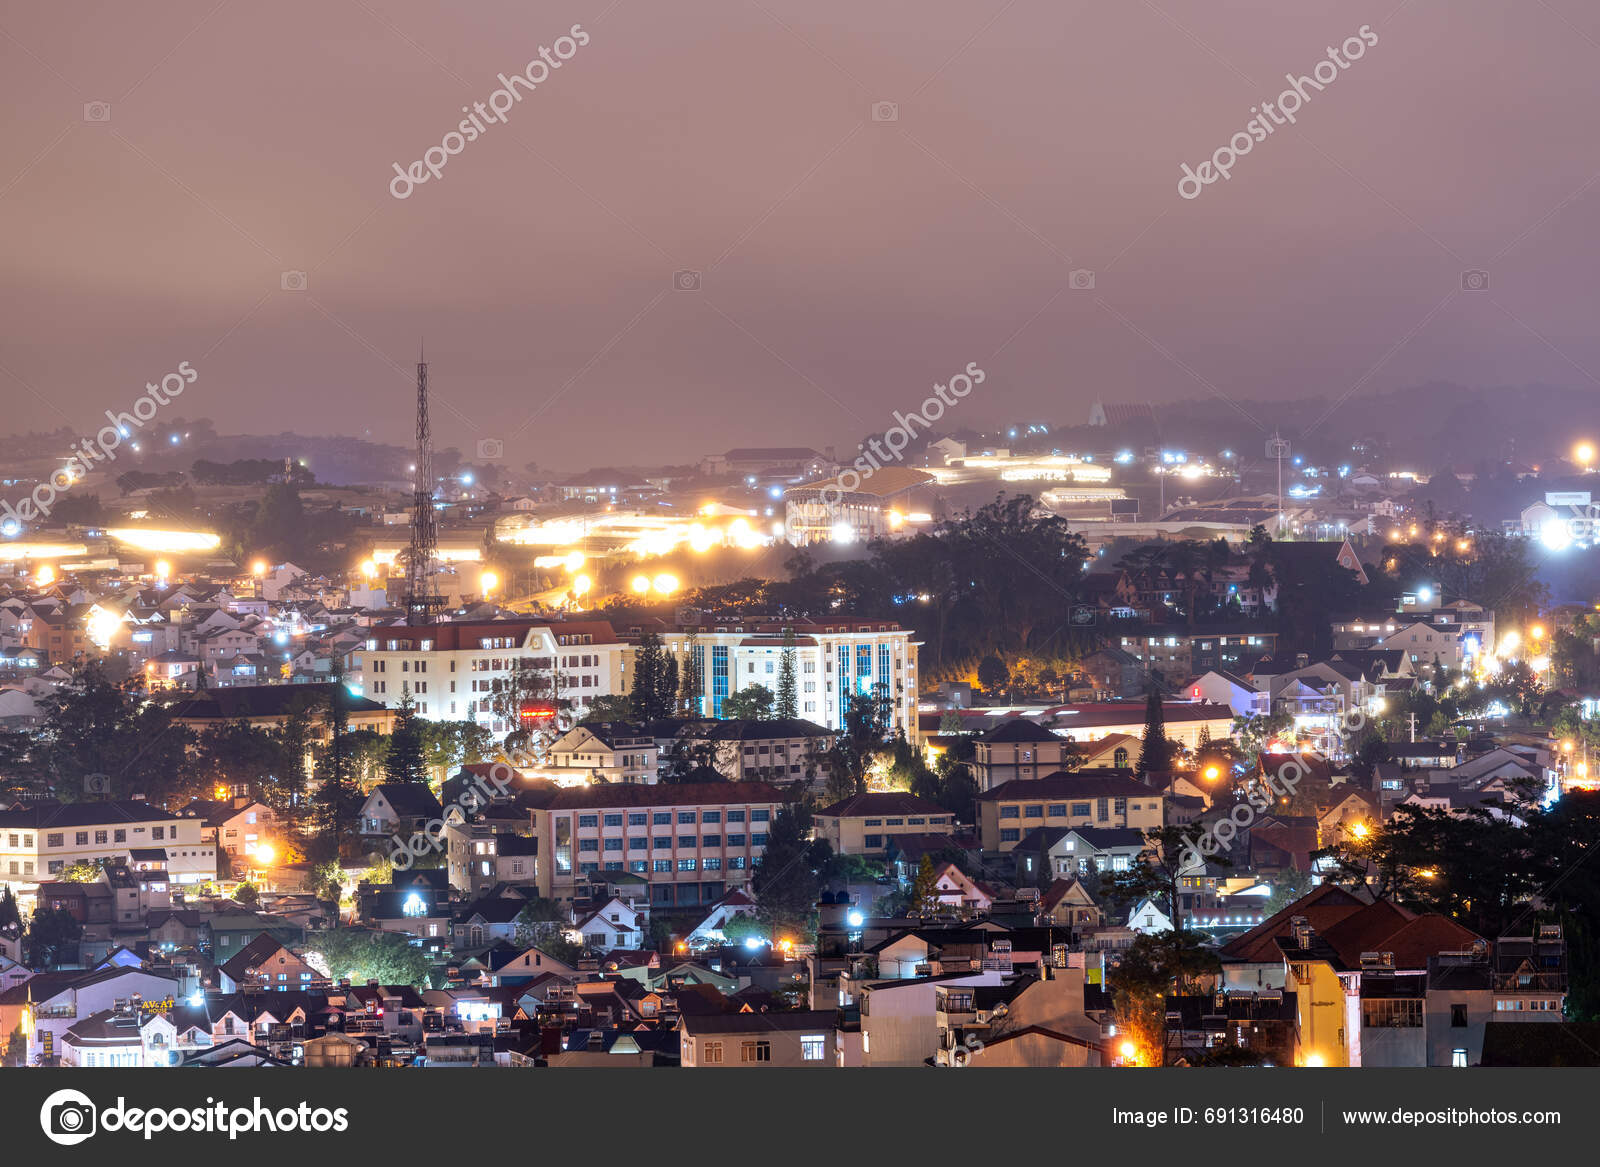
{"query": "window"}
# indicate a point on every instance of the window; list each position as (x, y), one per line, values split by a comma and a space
(874, 822)
(711, 865)
(686, 865)
(637, 818)
(100, 838)
(638, 866)
(872, 841)
(1010, 835)
(760, 816)
(686, 816)
(711, 816)
(711, 840)
(613, 844)
(638, 844)
(1033, 812)
(588, 844)
(686, 841)
(736, 840)
(755, 1051)
(1458, 1017)
(812, 1048)
(1384, 1013)
(758, 840)
(1080, 810)
(588, 820)
(711, 1053)
(82, 838)
(736, 816)
(1009, 812)
(662, 818)
(663, 865)
(613, 820)
(54, 840)
(1058, 810)
(663, 842)
(736, 863)
(1458, 1059)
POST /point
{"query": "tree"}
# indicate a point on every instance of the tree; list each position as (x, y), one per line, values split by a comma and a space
(924, 898)
(653, 697)
(80, 872)
(611, 707)
(1157, 751)
(738, 929)
(1167, 854)
(752, 703)
(859, 741)
(1286, 889)
(788, 700)
(544, 925)
(785, 880)
(691, 685)
(338, 801)
(404, 762)
(363, 955)
(1150, 968)
(993, 675)
(52, 938)
(247, 895)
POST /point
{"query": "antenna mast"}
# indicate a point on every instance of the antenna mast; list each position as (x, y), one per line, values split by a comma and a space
(420, 601)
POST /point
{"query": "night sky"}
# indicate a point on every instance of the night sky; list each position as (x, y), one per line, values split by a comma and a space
(846, 261)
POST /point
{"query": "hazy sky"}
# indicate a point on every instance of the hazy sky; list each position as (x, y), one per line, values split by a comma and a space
(846, 263)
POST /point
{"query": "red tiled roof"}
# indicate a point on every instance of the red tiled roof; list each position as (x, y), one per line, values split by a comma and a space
(1323, 907)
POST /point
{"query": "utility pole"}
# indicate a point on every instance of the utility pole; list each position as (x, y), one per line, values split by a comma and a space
(1412, 718)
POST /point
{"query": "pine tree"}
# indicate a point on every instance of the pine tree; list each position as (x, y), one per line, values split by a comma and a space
(650, 701)
(690, 684)
(924, 897)
(788, 703)
(404, 761)
(337, 799)
(1157, 751)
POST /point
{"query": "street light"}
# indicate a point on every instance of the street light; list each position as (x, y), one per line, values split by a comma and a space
(488, 581)
(1212, 773)
(1583, 452)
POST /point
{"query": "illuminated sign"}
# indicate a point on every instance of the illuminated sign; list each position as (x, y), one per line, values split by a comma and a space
(1567, 498)
(537, 710)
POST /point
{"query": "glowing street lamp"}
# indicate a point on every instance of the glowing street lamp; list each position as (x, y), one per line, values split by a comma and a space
(45, 576)
(641, 584)
(1584, 454)
(265, 854)
(488, 582)
(581, 585)
(1213, 773)
(1359, 830)
(259, 568)
(666, 583)
(163, 569)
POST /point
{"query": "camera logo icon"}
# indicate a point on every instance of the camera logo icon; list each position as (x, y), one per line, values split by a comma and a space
(1475, 280)
(97, 111)
(686, 281)
(491, 449)
(688, 617)
(885, 111)
(97, 783)
(68, 1117)
(1082, 279)
(294, 281)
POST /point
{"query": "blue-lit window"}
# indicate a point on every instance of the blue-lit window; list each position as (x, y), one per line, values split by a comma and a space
(712, 865)
(614, 865)
(638, 866)
(719, 677)
(586, 868)
(663, 865)
(686, 865)
(736, 863)
(698, 708)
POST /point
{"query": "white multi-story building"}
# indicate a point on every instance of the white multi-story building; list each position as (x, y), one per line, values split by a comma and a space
(452, 670)
(37, 842)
